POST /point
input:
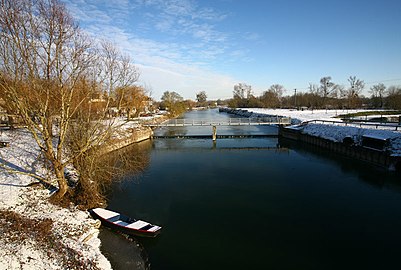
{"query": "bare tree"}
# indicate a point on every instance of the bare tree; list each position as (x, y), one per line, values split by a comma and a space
(393, 99)
(272, 97)
(242, 91)
(314, 97)
(278, 89)
(326, 89)
(269, 99)
(326, 86)
(49, 76)
(313, 89)
(377, 92)
(117, 70)
(353, 92)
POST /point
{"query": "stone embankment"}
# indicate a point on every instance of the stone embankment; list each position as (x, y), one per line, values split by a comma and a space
(132, 135)
(136, 135)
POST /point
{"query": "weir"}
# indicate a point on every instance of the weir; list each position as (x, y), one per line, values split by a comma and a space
(215, 136)
(257, 121)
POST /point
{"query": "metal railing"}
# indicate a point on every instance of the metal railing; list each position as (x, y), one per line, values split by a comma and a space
(229, 122)
(388, 126)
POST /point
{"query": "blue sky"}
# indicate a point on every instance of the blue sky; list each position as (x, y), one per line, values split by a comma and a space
(192, 45)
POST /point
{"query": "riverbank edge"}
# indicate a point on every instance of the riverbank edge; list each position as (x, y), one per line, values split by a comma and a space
(134, 135)
(372, 156)
(379, 158)
(137, 135)
(246, 113)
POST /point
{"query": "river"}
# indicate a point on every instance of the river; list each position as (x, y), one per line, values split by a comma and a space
(257, 203)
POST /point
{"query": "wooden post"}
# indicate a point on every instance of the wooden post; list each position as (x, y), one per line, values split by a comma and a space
(214, 136)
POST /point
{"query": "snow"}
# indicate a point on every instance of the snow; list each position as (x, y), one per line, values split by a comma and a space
(76, 228)
(303, 115)
(124, 128)
(376, 136)
(335, 131)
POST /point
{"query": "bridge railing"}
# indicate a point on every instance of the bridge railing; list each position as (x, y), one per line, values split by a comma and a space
(388, 126)
(226, 122)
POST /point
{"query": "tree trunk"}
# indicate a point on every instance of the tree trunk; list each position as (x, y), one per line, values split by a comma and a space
(10, 119)
(128, 114)
(11, 122)
(62, 182)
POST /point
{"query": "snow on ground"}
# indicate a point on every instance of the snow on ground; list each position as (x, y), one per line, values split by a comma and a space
(75, 228)
(124, 128)
(338, 133)
(335, 132)
(304, 115)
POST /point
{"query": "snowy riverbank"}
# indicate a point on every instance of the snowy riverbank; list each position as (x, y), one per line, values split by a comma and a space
(73, 236)
(335, 132)
(299, 116)
(74, 229)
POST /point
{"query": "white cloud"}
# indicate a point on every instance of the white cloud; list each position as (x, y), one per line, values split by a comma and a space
(182, 63)
(186, 80)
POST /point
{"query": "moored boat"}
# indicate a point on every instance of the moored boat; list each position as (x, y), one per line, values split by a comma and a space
(124, 223)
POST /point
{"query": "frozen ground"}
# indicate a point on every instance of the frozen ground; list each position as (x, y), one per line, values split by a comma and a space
(75, 228)
(336, 132)
(305, 115)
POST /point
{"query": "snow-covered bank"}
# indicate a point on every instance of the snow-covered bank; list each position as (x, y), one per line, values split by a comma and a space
(339, 133)
(299, 116)
(75, 229)
(334, 132)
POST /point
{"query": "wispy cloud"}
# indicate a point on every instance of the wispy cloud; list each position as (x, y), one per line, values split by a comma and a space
(252, 36)
(173, 42)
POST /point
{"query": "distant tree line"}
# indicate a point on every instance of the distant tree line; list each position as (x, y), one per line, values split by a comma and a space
(175, 104)
(324, 95)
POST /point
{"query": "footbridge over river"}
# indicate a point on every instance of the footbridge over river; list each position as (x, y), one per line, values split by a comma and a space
(214, 123)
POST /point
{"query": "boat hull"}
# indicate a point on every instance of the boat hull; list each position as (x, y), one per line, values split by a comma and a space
(135, 232)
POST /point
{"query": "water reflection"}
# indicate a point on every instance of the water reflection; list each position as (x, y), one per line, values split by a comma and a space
(207, 130)
(263, 204)
(123, 252)
(125, 163)
(375, 176)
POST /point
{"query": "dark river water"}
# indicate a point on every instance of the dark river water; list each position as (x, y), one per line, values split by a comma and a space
(259, 203)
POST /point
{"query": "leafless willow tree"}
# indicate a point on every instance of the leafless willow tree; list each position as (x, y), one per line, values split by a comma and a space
(49, 76)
